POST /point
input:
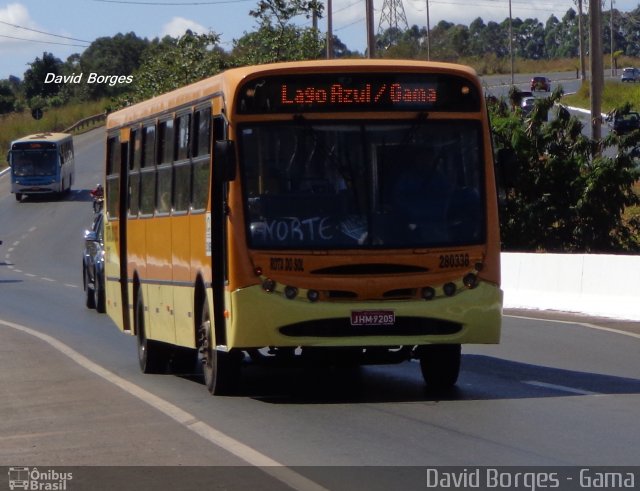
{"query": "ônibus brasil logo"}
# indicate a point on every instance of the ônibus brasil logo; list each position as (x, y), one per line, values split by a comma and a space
(33, 479)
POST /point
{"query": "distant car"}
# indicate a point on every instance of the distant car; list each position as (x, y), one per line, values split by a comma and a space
(540, 84)
(630, 75)
(527, 105)
(624, 123)
(93, 266)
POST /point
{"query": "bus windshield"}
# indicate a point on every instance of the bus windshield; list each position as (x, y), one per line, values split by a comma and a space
(29, 163)
(357, 184)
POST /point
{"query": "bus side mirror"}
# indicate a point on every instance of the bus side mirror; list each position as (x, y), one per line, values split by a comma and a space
(9, 159)
(225, 159)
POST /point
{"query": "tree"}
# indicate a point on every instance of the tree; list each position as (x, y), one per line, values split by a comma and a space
(276, 38)
(476, 34)
(340, 50)
(7, 97)
(34, 77)
(173, 63)
(117, 55)
(410, 44)
(559, 198)
(529, 39)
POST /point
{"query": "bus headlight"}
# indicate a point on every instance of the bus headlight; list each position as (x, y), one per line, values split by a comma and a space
(470, 280)
(428, 293)
(268, 285)
(449, 289)
(290, 292)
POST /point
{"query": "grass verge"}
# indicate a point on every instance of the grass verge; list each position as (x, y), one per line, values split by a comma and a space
(615, 95)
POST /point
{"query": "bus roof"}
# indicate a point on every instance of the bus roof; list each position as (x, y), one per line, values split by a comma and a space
(226, 82)
(43, 137)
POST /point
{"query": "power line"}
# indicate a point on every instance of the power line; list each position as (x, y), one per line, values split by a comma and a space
(43, 42)
(493, 4)
(42, 32)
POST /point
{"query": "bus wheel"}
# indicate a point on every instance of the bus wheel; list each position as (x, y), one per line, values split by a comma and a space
(220, 369)
(440, 365)
(151, 354)
(18, 196)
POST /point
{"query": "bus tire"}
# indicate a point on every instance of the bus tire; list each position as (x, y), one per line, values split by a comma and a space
(18, 197)
(440, 365)
(151, 354)
(220, 369)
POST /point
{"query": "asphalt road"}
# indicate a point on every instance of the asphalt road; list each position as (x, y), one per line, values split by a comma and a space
(551, 394)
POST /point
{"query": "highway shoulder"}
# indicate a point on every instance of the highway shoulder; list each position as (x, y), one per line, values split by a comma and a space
(625, 326)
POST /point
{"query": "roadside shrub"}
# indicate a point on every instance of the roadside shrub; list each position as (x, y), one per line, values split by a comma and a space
(567, 193)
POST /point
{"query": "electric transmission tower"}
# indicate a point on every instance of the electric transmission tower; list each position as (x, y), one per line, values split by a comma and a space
(393, 16)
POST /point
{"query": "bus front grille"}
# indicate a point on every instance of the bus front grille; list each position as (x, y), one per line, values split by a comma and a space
(341, 327)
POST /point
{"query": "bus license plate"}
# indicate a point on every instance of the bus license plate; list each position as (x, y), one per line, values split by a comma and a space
(373, 317)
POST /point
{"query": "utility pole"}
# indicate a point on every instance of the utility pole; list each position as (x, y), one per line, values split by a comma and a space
(370, 33)
(613, 73)
(329, 30)
(597, 73)
(583, 71)
(428, 33)
(511, 42)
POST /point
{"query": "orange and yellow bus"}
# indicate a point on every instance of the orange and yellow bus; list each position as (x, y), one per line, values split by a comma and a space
(335, 210)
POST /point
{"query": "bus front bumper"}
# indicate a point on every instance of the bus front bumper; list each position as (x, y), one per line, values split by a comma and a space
(39, 188)
(261, 319)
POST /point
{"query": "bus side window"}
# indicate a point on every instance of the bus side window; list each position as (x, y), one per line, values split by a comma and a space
(166, 146)
(183, 134)
(148, 171)
(113, 176)
(134, 172)
(201, 160)
(201, 132)
(182, 165)
(166, 155)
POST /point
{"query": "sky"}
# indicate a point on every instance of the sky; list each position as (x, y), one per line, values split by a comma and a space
(64, 27)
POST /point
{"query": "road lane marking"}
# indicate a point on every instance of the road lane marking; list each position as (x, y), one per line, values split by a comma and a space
(583, 324)
(563, 388)
(251, 456)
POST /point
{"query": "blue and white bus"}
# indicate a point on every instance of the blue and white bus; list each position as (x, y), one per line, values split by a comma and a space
(41, 163)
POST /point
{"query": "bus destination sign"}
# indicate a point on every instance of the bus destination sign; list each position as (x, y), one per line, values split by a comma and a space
(358, 92)
(338, 94)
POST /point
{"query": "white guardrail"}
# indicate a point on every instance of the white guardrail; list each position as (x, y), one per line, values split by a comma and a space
(594, 284)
